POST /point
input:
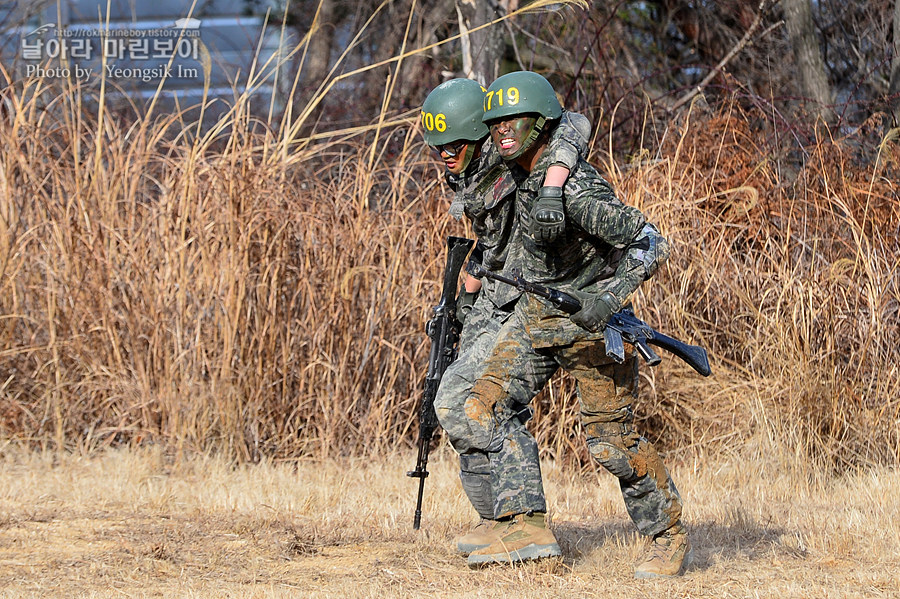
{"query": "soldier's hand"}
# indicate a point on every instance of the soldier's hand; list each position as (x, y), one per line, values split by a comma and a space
(548, 220)
(596, 310)
(464, 303)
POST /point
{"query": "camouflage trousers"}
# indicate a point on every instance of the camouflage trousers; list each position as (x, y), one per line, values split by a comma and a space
(606, 391)
(479, 479)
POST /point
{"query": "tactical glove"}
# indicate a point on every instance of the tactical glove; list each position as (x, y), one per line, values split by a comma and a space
(596, 310)
(547, 217)
(464, 303)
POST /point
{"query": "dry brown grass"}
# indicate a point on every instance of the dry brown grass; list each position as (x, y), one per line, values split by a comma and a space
(238, 290)
(178, 301)
(137, 524)
(790, 275)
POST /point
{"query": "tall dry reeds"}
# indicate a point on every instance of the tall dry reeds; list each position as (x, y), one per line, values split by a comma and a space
(786, 268)
(196, 291)
(233, 288)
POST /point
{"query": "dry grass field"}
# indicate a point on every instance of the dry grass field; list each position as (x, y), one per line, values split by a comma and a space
(135, 524)
(173, 289)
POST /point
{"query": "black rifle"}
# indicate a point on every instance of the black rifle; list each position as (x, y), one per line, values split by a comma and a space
(443, 330)
(623, 326)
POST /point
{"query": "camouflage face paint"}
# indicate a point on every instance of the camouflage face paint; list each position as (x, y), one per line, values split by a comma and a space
(510, 135)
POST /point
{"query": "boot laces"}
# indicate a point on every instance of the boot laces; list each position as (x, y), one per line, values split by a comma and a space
(664, 546)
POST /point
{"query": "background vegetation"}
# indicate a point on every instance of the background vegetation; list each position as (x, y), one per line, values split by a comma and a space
(258, 286)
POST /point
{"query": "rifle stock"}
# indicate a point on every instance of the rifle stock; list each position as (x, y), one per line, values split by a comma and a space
(693, 355)
(640, 334)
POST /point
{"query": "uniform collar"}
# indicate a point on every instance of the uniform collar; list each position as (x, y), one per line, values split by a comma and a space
(532, 181)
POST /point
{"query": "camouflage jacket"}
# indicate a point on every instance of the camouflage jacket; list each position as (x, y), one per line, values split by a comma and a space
(607, 246)
(485, 193)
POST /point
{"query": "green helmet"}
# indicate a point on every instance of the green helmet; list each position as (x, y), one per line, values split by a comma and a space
(453, 111)
(520, 93)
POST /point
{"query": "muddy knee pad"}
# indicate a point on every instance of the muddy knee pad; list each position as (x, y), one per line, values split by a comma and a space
(612, 443)
(650, 496)
(629, 457)
(612, 456)
(475, 475)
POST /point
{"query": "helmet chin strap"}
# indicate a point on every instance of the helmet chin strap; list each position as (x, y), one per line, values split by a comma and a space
(532, 137)
(470, 151)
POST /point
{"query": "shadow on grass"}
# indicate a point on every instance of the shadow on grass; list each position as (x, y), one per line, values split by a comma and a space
(739, 538)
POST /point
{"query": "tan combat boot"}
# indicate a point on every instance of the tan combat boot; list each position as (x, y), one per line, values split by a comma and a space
(479, 537)
(669, 555)
(522, 537)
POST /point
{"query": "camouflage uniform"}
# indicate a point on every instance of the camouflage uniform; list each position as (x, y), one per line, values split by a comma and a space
(485, 194)
(607, 246)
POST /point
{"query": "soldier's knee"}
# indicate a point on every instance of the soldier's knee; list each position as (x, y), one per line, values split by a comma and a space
(447, 409)
(611, 453)
(475, 463)
(613, 443)
(480, 412)
(445, 419)
(449, 406)
(456, 425)
(452, 393)
(452, 418)
(630, 457)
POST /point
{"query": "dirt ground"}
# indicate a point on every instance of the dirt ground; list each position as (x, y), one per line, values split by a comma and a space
(126, 525)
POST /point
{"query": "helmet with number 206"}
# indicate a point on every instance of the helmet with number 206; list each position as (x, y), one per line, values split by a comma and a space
(452, 112)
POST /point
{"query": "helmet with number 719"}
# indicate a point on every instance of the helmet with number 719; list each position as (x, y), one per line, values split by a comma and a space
(518, 93)
(453, 111)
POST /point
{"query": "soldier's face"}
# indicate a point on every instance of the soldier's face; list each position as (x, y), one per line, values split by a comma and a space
(454, 155)
(509, 134)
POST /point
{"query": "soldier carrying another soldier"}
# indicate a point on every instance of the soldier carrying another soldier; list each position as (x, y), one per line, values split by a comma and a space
(603, 253)
(452, 117)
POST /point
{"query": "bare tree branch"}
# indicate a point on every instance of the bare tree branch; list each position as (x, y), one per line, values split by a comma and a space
(742, 43)
(894, 87)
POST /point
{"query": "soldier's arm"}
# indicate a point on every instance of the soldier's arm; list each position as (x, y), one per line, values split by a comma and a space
(567, 143)
(592, 205)
(643, 257)
(595, 208)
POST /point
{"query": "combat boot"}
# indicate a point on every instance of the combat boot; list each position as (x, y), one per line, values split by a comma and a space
(522, 537)
(478, 538)
(669, 555)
